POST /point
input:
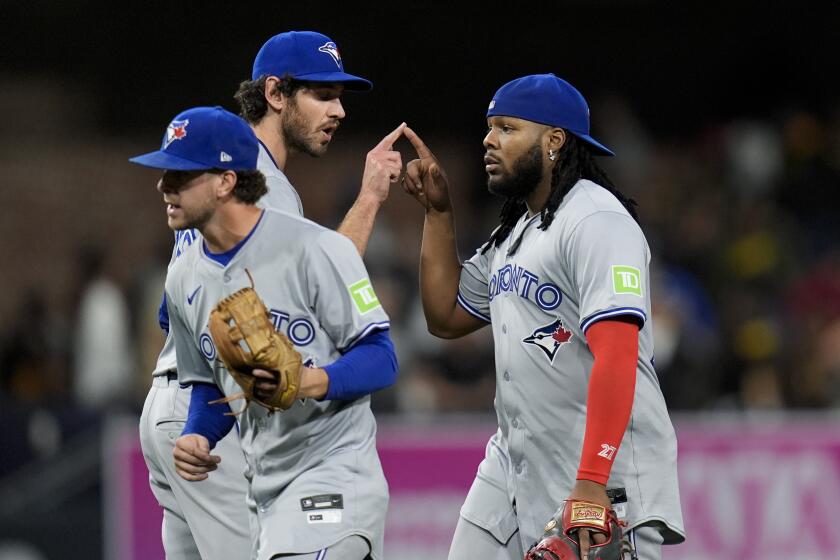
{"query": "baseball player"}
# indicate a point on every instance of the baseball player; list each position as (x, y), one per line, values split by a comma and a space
(315, 482)
(293, 104)
(564, 283)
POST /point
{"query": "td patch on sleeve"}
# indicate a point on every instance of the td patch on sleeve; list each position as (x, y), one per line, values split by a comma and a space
(363, 296)
(626, 280)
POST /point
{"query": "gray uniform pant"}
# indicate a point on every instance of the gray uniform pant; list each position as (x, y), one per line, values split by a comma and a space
(351, 548)
(204, 520)
(471, 541)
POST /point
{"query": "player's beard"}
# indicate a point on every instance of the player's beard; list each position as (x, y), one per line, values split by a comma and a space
(295, 127)
(194, 220)
(525, 175)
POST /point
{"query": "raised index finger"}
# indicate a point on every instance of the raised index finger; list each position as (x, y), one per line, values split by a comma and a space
(583, 538)
(388, 142)
(419, 146)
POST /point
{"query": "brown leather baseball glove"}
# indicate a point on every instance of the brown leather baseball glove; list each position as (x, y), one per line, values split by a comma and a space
(246, 340)
(560, 542)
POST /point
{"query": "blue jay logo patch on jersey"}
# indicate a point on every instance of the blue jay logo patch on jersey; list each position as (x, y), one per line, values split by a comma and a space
(550, 338)
(176, 131)
(331, 50)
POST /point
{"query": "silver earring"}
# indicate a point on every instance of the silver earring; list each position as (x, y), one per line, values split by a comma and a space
(552, 155)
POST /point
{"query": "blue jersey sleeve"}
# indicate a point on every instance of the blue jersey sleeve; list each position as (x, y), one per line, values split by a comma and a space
(205, 419)
(163, 315)
(369, 365)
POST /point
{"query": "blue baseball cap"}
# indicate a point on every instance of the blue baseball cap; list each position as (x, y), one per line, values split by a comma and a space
(205, 138)
(305, 55)
(549, 100)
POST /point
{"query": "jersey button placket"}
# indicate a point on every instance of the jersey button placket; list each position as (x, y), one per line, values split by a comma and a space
(506, 375)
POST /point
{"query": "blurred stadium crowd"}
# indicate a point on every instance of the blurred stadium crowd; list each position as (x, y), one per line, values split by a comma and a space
(740, 216)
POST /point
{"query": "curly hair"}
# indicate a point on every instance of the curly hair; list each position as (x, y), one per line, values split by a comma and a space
(251, 96)
(250, 185)
(575, 163)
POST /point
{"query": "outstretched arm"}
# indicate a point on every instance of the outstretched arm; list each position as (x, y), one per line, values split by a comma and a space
(440, 268)
(382, 167)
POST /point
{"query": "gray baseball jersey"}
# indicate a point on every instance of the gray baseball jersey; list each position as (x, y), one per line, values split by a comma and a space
(314, 473)
(209, 519)
(590, 264)
(281, 196)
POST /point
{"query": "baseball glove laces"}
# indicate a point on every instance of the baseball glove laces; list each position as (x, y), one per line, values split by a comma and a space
(245, 338)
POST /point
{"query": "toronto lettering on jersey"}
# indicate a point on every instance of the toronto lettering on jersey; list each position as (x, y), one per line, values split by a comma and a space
(514, 278)
(300, 331)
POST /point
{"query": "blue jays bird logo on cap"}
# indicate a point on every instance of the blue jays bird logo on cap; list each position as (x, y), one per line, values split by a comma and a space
(550, 338)
(331, 50)
(175, 131)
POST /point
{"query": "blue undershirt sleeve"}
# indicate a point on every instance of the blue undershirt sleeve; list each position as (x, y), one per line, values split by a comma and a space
(205, 419)
(163, 315)
(370, 365)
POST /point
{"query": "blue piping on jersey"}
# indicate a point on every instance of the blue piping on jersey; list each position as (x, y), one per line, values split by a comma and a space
(271, 157)
(382, 326)
(183, 239)
(225, 258)
(472, 310)
(618, 311)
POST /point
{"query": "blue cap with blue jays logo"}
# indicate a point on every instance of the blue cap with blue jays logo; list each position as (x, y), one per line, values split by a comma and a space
(549, 100)
(205, 138)
(305, 55)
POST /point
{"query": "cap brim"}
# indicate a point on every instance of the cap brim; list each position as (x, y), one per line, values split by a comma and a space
(596, 146)
(163, 160)
(351, 82)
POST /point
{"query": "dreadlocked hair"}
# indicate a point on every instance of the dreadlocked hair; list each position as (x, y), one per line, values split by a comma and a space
(575, 162)
(512, 209)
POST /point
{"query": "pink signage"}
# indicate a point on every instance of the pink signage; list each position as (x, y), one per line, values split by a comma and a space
(749, 491)
(429, 472)
(132, 515)
(765, 491)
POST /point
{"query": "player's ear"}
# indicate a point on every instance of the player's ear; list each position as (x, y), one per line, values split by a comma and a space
(556, 139)
(226, 184)
(273, 96)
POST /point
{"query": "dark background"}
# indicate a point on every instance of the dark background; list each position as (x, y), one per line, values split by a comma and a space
(681, 64)
(725, 118)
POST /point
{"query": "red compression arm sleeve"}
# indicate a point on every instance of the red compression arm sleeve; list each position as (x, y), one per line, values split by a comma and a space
(612, 385)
